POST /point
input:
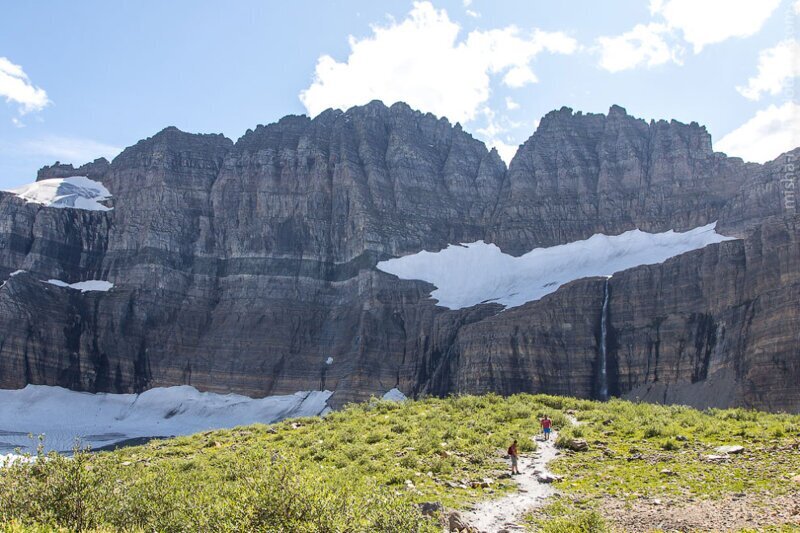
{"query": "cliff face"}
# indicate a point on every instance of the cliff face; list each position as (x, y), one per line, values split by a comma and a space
(718, 327)
(249, 266)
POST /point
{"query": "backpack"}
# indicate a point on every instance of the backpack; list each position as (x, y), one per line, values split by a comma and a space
(511, 450)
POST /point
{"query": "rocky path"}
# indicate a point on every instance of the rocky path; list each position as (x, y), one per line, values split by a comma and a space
(534, 487)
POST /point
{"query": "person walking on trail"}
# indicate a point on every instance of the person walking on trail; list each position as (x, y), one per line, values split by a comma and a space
(514, 454)
(546, 424)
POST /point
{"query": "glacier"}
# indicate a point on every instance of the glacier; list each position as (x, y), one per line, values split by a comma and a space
(77, 192)
(83, 286)
(470, 274)
(65, 417)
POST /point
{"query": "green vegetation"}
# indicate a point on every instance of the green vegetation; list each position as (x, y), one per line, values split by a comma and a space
(644, 450)
(365, 468)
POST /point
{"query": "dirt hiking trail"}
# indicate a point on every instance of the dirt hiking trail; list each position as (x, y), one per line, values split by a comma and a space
(533, 485)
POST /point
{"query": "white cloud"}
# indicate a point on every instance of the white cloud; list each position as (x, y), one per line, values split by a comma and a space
(69, 149)
(797, 7)
(511, 105)
(676, 23)
(643, 45)
(776, 67)
(17, 88)
(519, 76)
(764, 137)
(473, 14)
(421, 61)
(704, 22)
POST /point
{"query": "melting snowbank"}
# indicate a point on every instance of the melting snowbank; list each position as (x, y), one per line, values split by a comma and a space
(76, 192)
(394, 395)
(470, 274)
(10, 458)
(83, 286)
(101, 419)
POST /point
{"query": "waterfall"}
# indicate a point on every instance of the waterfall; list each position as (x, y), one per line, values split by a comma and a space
(604, 345)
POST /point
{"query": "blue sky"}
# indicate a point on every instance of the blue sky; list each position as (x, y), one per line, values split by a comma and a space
(86, 78)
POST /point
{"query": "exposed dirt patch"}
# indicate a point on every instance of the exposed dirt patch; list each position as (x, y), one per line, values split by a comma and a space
(726, 514)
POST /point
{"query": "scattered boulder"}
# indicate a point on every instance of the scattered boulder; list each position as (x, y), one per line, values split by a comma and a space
(668, 472)
(681, 438)
(732, 449)
(455, 522)
(545, 477)
(796, 479)
(482, 484)
(577, 445)
(430, 508)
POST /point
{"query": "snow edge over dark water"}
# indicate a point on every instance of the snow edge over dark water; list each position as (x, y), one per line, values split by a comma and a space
(65, 417)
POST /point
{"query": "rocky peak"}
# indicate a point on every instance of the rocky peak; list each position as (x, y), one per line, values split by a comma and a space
(581, 174)
(371, 179)
(617, 111)
(172, 140)
(167, 159)
(94, 170)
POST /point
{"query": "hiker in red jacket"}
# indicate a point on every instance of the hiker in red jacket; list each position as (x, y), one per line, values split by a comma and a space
(546, 425)
(512, 451)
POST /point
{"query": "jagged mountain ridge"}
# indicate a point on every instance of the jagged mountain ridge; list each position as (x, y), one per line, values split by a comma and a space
(244, 266)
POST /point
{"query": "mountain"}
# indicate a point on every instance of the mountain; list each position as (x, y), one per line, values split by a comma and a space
(250, 267)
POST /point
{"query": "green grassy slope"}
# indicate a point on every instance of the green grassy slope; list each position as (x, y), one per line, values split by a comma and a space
(365, 468)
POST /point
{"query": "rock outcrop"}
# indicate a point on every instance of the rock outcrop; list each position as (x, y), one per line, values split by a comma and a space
(584, 174)
(250, 266)
(95, 170)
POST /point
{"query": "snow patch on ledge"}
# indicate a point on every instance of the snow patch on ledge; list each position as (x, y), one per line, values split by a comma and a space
(101, 419)
(15, 273)
(470, 274)
(83, 286)
(76, 192)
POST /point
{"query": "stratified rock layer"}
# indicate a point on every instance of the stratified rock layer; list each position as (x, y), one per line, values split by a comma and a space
(249, 266)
